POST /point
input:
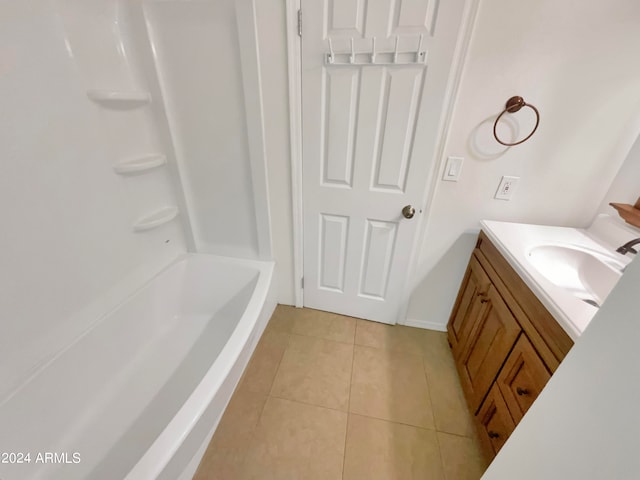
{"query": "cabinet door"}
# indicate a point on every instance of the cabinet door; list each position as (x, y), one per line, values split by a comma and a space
(493, 331)
(466, 309)
(495, 422)
(522, 378)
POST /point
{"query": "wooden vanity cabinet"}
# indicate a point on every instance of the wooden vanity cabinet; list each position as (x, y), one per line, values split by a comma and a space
(491, 332)
(522, 378)
(494, 422)
(506, 345)
(468, 306)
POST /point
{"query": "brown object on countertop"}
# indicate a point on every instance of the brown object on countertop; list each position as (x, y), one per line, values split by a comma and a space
(629, 213)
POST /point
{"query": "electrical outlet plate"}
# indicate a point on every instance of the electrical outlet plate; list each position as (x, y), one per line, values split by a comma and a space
(452, 169)
(506, 187)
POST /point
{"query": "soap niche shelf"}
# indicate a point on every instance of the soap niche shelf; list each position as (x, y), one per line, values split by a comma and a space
(140, 164)
(119, 98)
(155, 219)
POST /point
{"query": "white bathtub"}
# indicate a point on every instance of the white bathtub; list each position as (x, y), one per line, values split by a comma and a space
(139, 395)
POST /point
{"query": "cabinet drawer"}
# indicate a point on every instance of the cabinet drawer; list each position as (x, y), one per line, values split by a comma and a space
(494, 422)
(522, 378)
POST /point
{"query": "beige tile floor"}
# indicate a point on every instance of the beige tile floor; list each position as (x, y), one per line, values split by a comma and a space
(331, 397)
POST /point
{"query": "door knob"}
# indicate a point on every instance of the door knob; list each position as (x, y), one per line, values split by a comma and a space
(408, 211)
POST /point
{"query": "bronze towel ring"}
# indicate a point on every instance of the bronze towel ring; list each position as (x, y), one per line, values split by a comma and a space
(513, 105)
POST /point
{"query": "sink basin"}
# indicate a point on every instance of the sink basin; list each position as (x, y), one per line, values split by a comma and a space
(570, 270)
(586, 275)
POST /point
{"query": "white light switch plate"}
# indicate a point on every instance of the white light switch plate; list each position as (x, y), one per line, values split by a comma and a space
(506, 187)
(452, 169)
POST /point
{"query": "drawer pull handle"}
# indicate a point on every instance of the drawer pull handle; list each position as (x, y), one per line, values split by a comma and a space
(494, 435)
(522, 391)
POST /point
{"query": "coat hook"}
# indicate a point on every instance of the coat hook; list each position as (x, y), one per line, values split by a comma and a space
(395, 52)
(330, 57)
(419, 52)
(352, 57)
(373, 51)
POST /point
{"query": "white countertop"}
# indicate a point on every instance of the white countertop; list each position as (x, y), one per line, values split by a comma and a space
(517, 240)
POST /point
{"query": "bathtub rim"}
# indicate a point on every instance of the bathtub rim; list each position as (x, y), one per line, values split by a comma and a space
(135, 289)
(165, 446)
(130, 287)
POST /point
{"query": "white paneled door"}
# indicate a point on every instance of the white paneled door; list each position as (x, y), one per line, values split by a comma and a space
(369, 135)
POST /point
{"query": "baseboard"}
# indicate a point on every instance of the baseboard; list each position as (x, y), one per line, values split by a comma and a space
(413, 322)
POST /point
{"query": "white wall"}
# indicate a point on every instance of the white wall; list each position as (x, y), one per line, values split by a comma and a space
(271, 20)
(625, 188)
(572, 62)
(585, 423)
(67, 249)
(575, 61)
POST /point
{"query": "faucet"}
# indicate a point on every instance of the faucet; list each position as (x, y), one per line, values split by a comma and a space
(628, 247)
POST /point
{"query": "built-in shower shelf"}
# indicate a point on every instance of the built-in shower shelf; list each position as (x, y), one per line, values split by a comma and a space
(116, 98)
(155, 219)
(139, 164)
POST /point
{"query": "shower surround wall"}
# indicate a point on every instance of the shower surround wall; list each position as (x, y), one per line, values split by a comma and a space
(67, 251)
(200, 65)
(88, 162)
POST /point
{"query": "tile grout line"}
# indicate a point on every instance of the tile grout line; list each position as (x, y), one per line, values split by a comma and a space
(435, 426)
(273, 381)
(353, 359)
(290, 335)
(346, 432)
(270, 394)
(354, 343)
(471, 432)
(396, 351)
(348, 412)
(344, 454)
(426, 378)
(470, 437)
(264, 405)
(394, 422)
(444, 470)
(305, 334)
(319, 337)
(252, 437)
(307, 403)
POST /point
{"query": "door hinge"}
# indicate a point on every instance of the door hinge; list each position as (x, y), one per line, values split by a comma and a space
(300, 22)
(302, 282)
